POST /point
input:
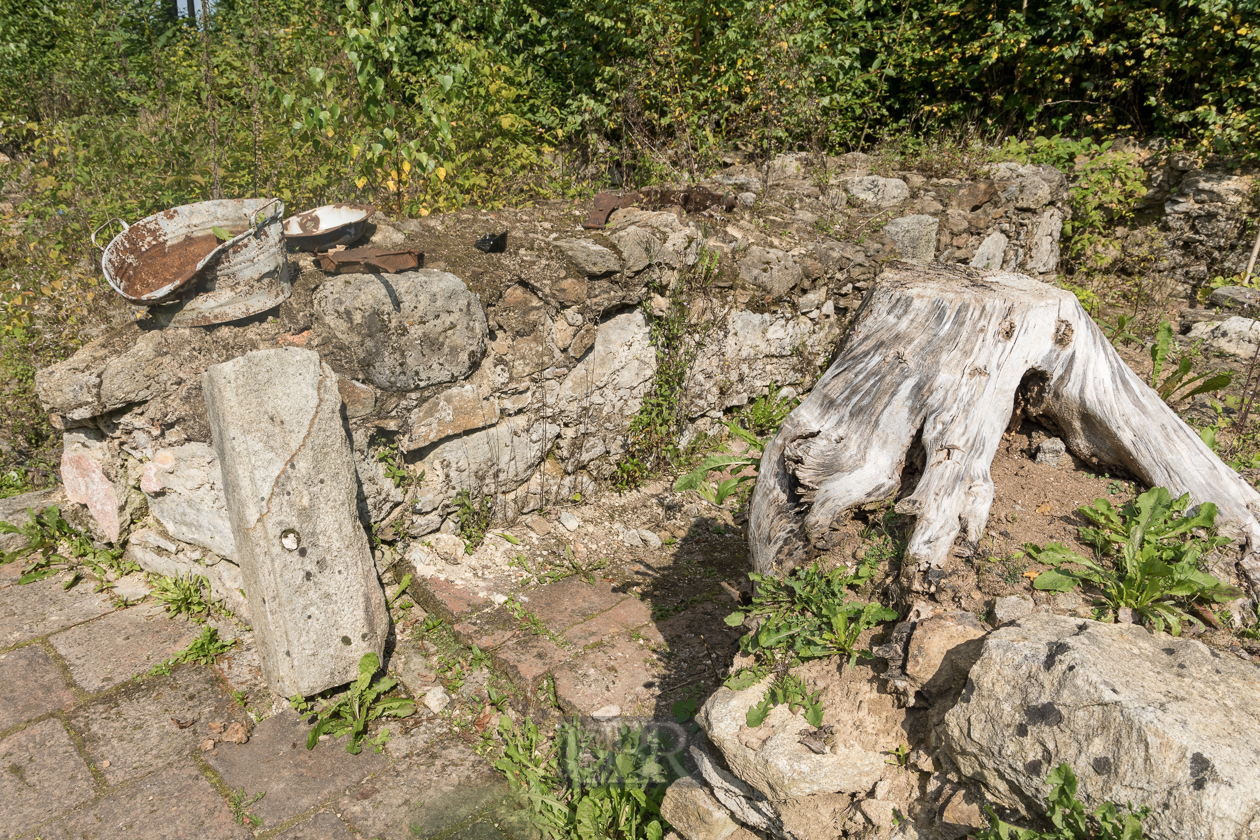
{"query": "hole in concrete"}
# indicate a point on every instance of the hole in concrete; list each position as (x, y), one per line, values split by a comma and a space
(290, 539)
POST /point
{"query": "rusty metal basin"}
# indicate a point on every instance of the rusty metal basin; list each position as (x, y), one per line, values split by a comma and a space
(326, 227)
(174, 257)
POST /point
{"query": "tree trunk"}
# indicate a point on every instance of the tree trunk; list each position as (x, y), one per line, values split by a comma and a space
(932, 367)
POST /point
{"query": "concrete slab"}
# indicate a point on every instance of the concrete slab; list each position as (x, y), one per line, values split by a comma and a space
(627, 615)
(148, 725)
(43, 777)
(174, 804)
(526, 661)
(118, 646)
(295, 779)
(443, 786)
(30, 685)
(39, 608)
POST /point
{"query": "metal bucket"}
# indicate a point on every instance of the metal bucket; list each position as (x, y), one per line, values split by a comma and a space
(326, 227)
(175, 256)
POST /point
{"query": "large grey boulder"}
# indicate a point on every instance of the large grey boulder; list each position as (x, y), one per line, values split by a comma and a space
(406, 330)
(105, 375)
(1236, 297)
(769, 269)
(914, 236)
(1235, 336)
(184, 487)
(639, 248)
(1141, 717)
(289, 480)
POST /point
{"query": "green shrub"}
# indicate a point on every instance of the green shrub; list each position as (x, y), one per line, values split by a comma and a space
(1068, 819)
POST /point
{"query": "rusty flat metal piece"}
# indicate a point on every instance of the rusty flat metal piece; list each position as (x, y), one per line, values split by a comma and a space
(372, 260)
(690, 199)
(605, 204)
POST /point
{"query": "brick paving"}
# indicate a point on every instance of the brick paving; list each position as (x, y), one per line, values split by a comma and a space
(93, 746)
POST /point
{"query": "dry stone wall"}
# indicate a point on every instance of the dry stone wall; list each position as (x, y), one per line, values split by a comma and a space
(516, 375)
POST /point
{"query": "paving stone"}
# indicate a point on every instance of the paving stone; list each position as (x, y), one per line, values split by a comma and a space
(480, 830)
(43, 607)
(242, 670)
(139, 729)
(43, 775)
(488, 630)
(528, 660)
(566, 602)
(627, 615)
(120, 645)
(621, 672)
(30, 685)
(295, 779)
(436, 790)
(449, 600)
(174, 804)
(322, 826)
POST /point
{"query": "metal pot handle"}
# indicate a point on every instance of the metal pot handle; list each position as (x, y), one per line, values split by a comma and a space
(98, 230)
(253, 219)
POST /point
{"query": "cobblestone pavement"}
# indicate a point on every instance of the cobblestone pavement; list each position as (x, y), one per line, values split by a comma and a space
(94, 745)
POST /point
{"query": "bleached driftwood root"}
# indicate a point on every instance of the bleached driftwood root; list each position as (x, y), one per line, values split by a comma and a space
(937, 356)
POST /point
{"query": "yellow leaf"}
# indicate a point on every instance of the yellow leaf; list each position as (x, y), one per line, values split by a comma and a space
(441, 173)
(424, 211)
(1043, 509)
(406, 167)
(360, 181)
(1032, 574)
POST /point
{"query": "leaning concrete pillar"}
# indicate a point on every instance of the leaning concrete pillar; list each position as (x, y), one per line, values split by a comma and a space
(289, 480)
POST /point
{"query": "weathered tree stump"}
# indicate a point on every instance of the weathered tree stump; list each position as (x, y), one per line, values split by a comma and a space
(933, 367)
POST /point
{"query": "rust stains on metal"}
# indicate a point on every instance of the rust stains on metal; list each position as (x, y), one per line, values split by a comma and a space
(370, 260)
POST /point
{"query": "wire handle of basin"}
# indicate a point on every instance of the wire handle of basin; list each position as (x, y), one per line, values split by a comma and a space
(107, 221)
(253, 219)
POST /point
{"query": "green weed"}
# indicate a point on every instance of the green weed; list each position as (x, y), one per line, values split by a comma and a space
(743, 466)
(240, 807)
(1156, 557)
(350, 714)
(1068, 819)
(1176, 386)
(186, 595)
(203, 650)
(475, 515)
(47, 534)
(581, 784)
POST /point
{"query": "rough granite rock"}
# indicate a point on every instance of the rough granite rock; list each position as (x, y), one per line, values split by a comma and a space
(779, 766)
(694, 813)
(748, 354)
(289, 480)
(991, 252)
(1043, 256)
(184, 486)
(1141, 717)
(83, 459)
(406, 330)
(590, 258)
(456, 410)
(1235, 336)
(769, 269)
(639, 248)
(878, 192)
(914, 236)
(1236, 297)
(940, 653)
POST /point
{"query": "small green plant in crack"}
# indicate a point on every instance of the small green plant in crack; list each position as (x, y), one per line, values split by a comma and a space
(394, 463)
(529, 620)
(742, 466)
(1154, 556)
(899, 756)
(350, 714)
(1068, 819)
(47, 534)
(186, 595)
(1176, 386)
(786, 689)
(474, 517)
(203, 650)
(764, 415)
(240, 807)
